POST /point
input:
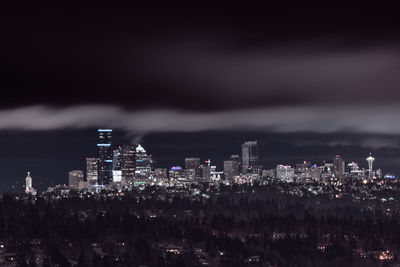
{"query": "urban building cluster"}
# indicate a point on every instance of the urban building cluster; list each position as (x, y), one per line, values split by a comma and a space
(130, 165)
(124, 166)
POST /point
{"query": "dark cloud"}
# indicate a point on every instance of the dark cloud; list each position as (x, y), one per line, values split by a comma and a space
(286, 74)
(200, 58)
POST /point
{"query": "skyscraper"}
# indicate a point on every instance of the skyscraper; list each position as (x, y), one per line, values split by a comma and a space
(231, 167)
(192, 168)
(338, 166)
(92, 170)
(116, 169)
(74, 177)
(144, 163)
(128, 163)
(206, 170)
(105, 156)
(249, 156)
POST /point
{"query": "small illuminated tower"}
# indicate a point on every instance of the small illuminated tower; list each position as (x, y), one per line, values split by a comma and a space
(28, 185)
(28, 182)
(370, 161)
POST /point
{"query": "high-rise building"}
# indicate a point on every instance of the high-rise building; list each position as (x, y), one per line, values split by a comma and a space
(92, 170)
(128, 164)
(105, 156)
(116, 169)
(338, 166)
(206, 170)
(28, 185)
(144, 163)
(249, 156)
(74, 177)
(192, 168)
(232, 167)
(117, 156)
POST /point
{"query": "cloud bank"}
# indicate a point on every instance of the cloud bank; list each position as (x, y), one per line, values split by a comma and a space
(318, 119)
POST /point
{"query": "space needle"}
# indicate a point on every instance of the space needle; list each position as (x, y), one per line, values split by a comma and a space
(370, 161)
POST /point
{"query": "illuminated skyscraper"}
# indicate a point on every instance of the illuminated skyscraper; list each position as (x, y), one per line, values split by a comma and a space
(192, 168)
(116, 169)
(144, 163)
(74, 177)
(92, 170)
(105, 156)
(128, 164)
(370, 161)
(249, 156)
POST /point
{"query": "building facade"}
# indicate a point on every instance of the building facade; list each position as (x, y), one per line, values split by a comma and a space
(232, 167)
(249, 156)
(74, 178)
(105, 156)
(192, 169)
(144, 163)
(92, 170)
(128, 164)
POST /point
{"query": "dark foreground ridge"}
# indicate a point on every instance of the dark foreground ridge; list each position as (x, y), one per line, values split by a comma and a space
(239, 225)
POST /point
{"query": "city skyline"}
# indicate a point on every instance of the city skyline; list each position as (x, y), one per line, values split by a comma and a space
(213, 146)
(194, 169)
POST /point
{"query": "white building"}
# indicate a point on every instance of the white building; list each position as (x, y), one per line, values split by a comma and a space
(28, 185)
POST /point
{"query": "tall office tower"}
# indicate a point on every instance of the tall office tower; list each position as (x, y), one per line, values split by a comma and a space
(232, 167)
(249, 156)
(128, 164)
(116, 165)
(117, 157)
(370, 161)
(144, 163)
(105, 156)
(28, 185)
(338, 166)
(206, 170)
(92, 170)
(192, 168)
(74, 177)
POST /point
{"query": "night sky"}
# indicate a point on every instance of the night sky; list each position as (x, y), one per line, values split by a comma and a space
(308, 80)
